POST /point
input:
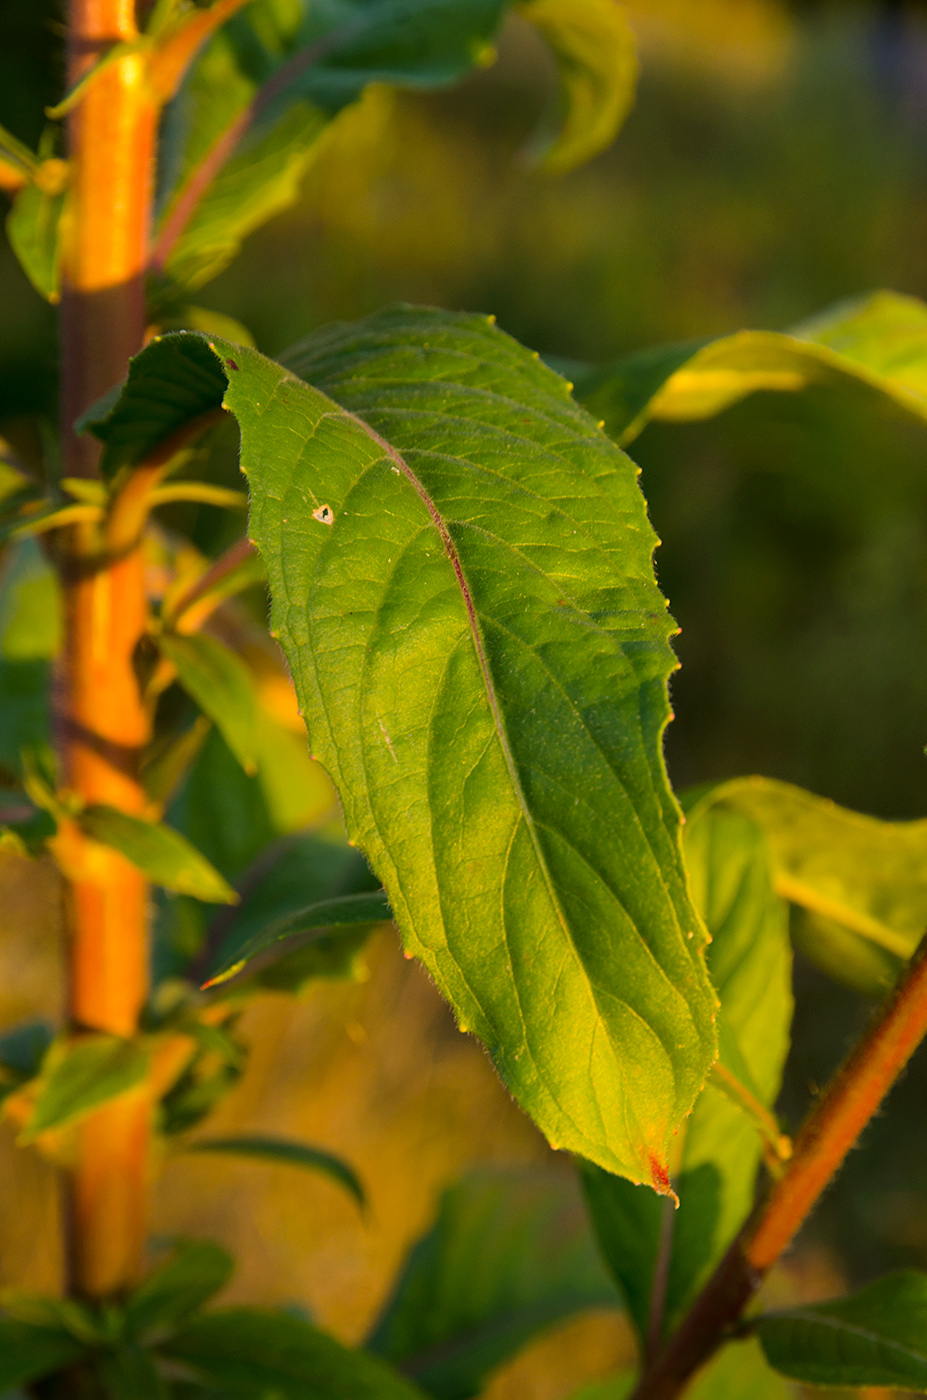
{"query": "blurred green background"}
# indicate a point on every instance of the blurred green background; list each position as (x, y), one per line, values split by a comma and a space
(775, 162)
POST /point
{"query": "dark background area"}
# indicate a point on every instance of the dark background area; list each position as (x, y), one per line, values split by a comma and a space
(775, 162)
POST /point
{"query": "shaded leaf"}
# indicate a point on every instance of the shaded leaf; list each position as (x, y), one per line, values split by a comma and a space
(494, 665)
(870, 876)
(28, 1352)
(32, 228)
(128, 1372)
(509, 1255)
(256, 1352)
(23, 1047)
(878, 342)
(593, 44)
(178, 1287)
(877, 1336)
(287, 1152)
(30, 635)
(346, 911)
(720, 1148)
(845, 956)
(166, 857)
(221, 684)
(80, 1075)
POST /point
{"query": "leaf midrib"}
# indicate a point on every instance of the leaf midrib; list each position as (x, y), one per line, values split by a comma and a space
(856, 1330)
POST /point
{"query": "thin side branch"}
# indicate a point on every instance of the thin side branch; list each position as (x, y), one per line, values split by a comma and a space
(831, 1129)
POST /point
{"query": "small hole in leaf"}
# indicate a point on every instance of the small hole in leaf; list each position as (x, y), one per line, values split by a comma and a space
(325, 514)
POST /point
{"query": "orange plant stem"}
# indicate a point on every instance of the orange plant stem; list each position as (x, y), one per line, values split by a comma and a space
(830, 1130)
(102, 723)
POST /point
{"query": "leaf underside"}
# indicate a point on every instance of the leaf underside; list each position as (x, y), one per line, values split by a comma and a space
(463, 585)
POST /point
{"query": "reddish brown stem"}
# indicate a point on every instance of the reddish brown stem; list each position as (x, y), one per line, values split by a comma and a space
(826, 1137)
(102, 723)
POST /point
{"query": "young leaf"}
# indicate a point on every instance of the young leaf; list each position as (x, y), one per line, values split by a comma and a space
(32, 228)
(177, 1288)
(221, 684)
(287, 1152)
(30, 634)
(867, 875)
(265, 89)
(750, 963)
(166, 857)
(509, 1255)
(346, 911)
(878, 342)
(249, 1352)
(81, 1075)
(876, 1337)
(28, 1352)
(464, 588)
(593, 44)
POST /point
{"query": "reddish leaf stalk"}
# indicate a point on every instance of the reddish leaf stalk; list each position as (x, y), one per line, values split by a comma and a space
(831, 1129)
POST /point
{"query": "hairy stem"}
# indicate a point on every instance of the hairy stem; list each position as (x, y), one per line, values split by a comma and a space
(102, 724)
(830, 1130)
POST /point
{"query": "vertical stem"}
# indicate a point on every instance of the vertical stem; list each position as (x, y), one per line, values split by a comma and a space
(826, 1137)
(102, 723)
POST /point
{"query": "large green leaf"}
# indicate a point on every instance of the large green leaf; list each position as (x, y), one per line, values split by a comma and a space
(510, 1254)
(750, 963)
(334, 49)
(128, 1372)
(462, 582)
(250, 1352)
(193, 1272)
(875, 1337)
(878, 342)
(28, 1352)
(867, 875)
(594, 47)
(79, 1075)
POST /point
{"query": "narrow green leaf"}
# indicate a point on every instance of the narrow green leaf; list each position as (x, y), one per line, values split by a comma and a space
(494, 664)
(166, 857)
(27, 1353)
(344, 912)
(19, 154)
(287, 1152)
(32, 228)
(877, 343)
(877, 1336)
(720, 1148)
(867, 875)
(80, 1075)
(593, 44)
(30, 636)
(177, 1288)
(249, 1351)
(222, 686)
(509, 1255)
